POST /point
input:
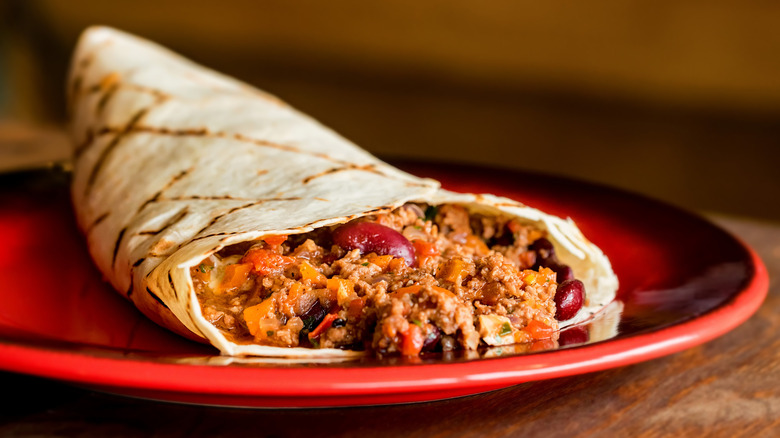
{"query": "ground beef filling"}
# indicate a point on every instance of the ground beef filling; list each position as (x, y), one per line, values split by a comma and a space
(417, 279)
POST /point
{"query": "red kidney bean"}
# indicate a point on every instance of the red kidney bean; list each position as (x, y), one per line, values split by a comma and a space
(545, 256)
(432, 339)
(371, 237)
(543, 248)
(563, 272)
(568, 299)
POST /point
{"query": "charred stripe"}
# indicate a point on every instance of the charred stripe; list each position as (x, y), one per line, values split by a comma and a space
(97, 221)
(116, 245)
(156, 298)
(111, 146)
(171, 222)
(106, 97)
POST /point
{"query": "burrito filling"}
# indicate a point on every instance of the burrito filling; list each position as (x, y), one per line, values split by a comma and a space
(420, 278)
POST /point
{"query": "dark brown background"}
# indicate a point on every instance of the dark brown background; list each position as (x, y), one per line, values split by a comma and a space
(676, 99)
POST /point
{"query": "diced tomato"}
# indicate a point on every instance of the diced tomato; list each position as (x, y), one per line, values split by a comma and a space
(266, 262)
(413, 341)
(294, 293)
(452, 270)
(396, 264)
(234, 277)
(424, 249)
(290, 304)
(275, 240)
(547, 276)
(529, 277)
(309, 273)
(254, 314)
(356, 306)
(413, 289)
(343, 288)
(538, 329)
(381, 261)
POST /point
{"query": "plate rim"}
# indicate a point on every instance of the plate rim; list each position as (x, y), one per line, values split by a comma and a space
(122, 371)
(63, 364)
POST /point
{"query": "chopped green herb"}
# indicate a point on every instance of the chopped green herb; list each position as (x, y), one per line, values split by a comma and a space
(365, 264)
(205, 268)
(417, 322)
(505, 329)
(430, 212)
(269, 333)
(418, 227)
(315, 343)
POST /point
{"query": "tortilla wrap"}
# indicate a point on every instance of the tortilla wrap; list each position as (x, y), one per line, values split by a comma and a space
(174, 162)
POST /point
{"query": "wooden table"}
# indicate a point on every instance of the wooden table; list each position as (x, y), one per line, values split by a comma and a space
(727, 387)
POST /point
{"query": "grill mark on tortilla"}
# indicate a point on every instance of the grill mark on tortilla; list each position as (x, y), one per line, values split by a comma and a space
(97, 221)
(138, 262)
(158, 255)
(114, 87)
(348, 218)
(78, 79)
(211, 223)
(235, 209)
(116, 245)
(107, 95)
(212, 235)
(111, 146)
(144, 89)
(206, 198)
(148, 274)
(156, 298)
(204, 132)
(367, 168)
(416, 184)
(219, 217)
(132, 280)
(75, 91)
(312, 224)
(171, 222)
(243, 89)
(83, 146)
(376, 210)
(167, 186)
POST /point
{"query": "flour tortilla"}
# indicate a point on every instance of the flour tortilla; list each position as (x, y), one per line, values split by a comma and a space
(174, 162)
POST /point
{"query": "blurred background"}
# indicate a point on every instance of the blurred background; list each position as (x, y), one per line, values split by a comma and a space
(675, 99)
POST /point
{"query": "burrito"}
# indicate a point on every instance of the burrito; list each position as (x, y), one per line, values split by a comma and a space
(230, 218)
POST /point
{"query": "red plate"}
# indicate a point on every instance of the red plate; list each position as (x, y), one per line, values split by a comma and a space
(683, 282)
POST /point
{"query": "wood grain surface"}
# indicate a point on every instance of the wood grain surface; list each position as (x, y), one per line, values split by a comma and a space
(726, 387)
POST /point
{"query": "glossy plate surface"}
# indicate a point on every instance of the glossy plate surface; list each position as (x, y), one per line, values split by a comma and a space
(683, 282)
